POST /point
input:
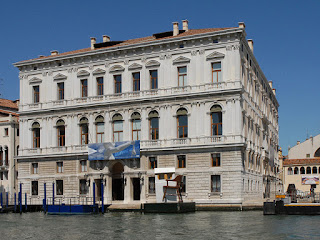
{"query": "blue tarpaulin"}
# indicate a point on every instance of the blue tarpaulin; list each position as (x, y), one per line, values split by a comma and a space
(114, 150)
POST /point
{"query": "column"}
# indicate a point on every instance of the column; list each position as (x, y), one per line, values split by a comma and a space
(144, 124)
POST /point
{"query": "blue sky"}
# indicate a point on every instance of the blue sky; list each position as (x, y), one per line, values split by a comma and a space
(285, 33)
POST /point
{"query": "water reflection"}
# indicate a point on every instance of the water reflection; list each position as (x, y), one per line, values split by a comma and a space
(199, 225)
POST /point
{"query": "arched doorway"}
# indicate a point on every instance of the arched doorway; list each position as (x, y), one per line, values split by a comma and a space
(117, 182)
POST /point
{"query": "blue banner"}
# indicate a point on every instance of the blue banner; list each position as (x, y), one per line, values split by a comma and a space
(114, 150)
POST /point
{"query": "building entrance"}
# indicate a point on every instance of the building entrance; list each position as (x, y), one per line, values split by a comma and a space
(117, 182)
(98, 188)
(136, 188)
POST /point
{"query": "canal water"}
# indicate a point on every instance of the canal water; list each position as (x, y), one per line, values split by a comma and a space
(199, 225)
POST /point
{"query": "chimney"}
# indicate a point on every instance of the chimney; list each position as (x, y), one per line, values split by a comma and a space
(185, 25)
(175, 28)
(93, 41)
(41, 56)
(106, 38)
(250, 43)
(298, 142)
(270, 84)
(54, 53)
(242, 25)
(274, 91)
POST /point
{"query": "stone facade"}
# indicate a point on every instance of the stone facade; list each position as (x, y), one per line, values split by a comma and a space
(9, 144)
(202, 75)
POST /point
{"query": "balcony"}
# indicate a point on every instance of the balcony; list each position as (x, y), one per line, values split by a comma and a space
(139, 95)
(145, 145)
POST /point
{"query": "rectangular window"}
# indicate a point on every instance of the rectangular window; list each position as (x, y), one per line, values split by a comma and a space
(60, 91)
(136, 81)
(136, 129)
(59, 187)
(182, 76)
(18, 132)
(1, 175)
(6, 132)
(153, 163)
(100, 86)
(59, 167)
(83, 186)
(84, 88)
(154, 79)
(117, 131)
(215, 158)
(154, 128)
(215, 183)
(152, 185)
(61, 135)
(100, 132)
(34, 188)
(84, 134)
(216, 72)
(83, 165)
(117, 84)
(36, 94)
(181, 161)
(6, 159)
(35, 169)
(36, 137)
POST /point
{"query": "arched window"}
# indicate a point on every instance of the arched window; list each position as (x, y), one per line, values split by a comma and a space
(314, 170)
(84, 131)
(296, 170)
(61, 133)
(117, 123)
(308, 170)
(302, 170)
(216, 120)
(136, 126)
(317, 153)
(182, 123)
(289, 171)
(6, 154)
(36, 135)
(99, 129)
(154, 125)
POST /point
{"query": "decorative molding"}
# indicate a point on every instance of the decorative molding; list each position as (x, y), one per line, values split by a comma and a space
(214, 55)
(181, 59)
(70, 70)
(233, 47)
(194, 53)
(35, 80)
(98, 71)
(116, 68)
(126, 62)
(59, 76)
(135, 66)
(83, 73)
(152, 63)
(201, 51)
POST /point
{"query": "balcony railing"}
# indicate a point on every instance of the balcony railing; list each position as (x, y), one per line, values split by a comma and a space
(144, 145)
(172, 91)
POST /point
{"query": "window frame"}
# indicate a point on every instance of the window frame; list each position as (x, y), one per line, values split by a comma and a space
(36, 93)
(153, 164)
(217, 159)
(36, 137)
(60, 90)
(117, 84)
(84, 88)
(58, 193)
(83, 167)
(32, 188)
(154, 131)
(34, 168)
(135, 132)
(217, 186)
(60, 168)
(153, 79)
(183, 75)
(183, 162)
(136, 82)
(100, 90)
(218, 125)
(216, 72)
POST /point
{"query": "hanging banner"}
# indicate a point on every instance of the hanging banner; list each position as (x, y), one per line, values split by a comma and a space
(114, 150)
(310, 180)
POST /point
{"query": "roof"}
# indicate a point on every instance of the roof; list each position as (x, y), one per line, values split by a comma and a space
(304, 161)
(8, 104)
(137, 40)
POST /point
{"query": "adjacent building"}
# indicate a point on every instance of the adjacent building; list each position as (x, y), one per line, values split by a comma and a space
(302, 168)
(9, 144)
(196, 99)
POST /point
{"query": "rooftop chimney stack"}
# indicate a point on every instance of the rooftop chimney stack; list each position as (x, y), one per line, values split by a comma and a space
(241, 25)
(106, 38)
(175, 28)
(270, 84)
(250, 43)
(185, 25)
(93, 42)
(274, 91)
(54, 53)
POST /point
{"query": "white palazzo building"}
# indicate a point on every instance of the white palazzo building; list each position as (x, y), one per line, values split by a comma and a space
(197, 100)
